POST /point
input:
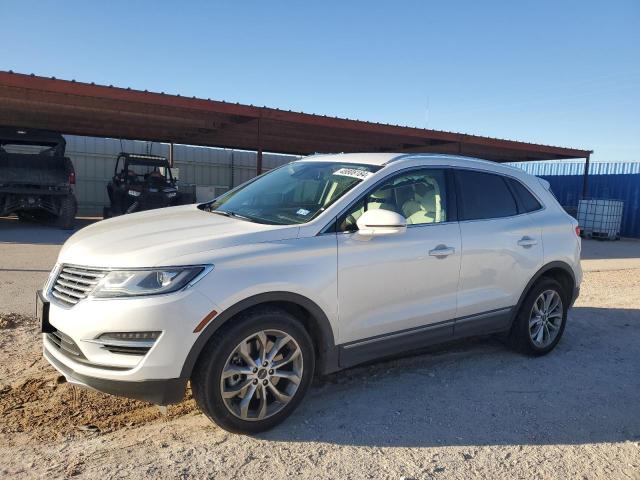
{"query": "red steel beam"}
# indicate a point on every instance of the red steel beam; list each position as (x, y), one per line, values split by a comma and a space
(304, 127)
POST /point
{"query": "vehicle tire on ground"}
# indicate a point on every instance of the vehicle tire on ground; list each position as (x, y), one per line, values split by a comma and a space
(67, 217)
(254, 371)
(106, 213)
(541, 320)
(25, 217)
(34, 216)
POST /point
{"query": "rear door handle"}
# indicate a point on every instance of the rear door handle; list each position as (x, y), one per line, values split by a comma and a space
(527, 242)
(442, 251)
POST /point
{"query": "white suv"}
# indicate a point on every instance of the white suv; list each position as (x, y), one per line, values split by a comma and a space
(321, 264)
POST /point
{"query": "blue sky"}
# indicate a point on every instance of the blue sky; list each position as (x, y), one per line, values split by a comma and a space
(555, 72)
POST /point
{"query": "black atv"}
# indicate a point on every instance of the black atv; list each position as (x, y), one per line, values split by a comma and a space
(36, 179)
(142, 182)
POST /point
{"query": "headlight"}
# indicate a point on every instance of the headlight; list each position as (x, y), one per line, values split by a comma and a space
(131, 283)
(134, 193)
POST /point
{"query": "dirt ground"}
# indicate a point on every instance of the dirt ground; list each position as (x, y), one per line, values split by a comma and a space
(470, 410)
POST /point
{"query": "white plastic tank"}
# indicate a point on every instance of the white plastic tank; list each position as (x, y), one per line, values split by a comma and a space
(600, 218)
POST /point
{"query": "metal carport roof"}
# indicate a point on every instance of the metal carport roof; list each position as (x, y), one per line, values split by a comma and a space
(71, 107)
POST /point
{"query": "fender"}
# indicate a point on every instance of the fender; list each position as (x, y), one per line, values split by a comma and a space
(549, 266)
(328, 361)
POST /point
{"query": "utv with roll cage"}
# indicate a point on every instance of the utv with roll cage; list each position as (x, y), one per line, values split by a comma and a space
(142, 182)
(36, 179)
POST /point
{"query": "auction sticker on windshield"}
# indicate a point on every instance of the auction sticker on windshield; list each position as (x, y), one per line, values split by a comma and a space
(353, 173)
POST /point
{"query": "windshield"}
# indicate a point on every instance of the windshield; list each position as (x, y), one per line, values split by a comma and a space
(294, 193)
(28, 149)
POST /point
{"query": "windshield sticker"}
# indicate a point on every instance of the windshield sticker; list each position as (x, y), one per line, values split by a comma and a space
(303, 212)
(353, 173)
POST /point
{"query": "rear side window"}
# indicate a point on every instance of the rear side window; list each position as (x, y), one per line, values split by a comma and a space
(526, 201)
(484, 195)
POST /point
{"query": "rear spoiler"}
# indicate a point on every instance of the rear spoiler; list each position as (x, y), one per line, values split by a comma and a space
(544, 183)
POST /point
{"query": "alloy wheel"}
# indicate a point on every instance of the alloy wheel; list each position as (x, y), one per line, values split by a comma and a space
(546, 318)
(261, 375)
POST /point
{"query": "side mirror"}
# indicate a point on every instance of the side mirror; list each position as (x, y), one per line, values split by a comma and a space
(380, 223)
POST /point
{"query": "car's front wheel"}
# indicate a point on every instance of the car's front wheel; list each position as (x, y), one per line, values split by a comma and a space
(254, 371)
(542, 318)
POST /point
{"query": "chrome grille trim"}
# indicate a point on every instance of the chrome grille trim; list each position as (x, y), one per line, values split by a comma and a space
(68, 292)
(77, 286)
(73, 283)
(67, 301)
(78, 279)
(87, 272)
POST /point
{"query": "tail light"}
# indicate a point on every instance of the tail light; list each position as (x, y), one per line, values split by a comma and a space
(578, 230)
(72, 178)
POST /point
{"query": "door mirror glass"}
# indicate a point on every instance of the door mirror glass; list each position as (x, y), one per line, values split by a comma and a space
(379, 223)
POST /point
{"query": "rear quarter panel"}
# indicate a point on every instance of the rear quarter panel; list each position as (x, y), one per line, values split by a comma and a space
(561, 244)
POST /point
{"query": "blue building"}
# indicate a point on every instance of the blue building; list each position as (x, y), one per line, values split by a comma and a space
(607, 180)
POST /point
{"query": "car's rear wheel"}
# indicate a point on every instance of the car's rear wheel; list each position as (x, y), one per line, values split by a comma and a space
(542, 318)
(255, 371)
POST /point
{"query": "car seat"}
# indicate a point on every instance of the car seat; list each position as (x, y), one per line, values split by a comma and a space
(382, 199)
(425, 206)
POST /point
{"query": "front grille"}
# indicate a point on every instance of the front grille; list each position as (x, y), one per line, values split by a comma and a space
(74, 283)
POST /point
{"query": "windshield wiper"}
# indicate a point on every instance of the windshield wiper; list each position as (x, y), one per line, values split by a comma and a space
(219, 212)
(233, 214)
(242, 217)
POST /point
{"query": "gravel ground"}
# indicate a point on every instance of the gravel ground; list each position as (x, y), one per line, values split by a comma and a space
(473, 409)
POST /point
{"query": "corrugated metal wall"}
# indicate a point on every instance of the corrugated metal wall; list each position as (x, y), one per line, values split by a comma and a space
(540, 169)
(94, 160)
(608, 180)
(567, 189)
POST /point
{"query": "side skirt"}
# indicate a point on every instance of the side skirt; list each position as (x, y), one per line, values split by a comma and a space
(404, 341)
(485, 323)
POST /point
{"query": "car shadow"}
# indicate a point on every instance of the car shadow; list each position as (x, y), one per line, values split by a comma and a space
(13, 230)
(481, 393)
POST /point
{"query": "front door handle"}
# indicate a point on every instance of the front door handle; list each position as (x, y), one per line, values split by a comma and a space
(527, 242)
(442, 251)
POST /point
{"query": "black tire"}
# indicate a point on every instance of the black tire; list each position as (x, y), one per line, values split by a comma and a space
(67, 216)
(520, 336)
(106, 213)
(33, 216)
(207, 374)
(24, 216)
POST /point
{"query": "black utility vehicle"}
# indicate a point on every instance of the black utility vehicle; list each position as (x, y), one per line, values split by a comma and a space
(142, 182)
(36, 179)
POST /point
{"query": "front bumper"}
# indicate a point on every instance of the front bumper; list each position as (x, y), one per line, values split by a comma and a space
(155, 376)
(160, 392)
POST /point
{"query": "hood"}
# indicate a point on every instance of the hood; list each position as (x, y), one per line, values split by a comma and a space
(154, 237)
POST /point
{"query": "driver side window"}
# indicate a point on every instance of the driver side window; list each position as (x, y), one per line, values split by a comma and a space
(419, 196)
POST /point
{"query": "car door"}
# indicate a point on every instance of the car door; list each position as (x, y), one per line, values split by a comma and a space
(501, 251)
(399, 292)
